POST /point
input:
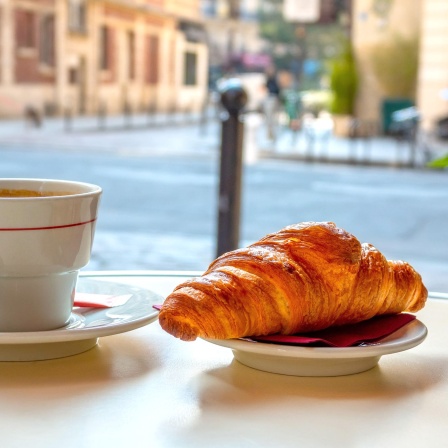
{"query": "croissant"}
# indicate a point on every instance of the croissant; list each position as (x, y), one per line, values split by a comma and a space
(306, 277)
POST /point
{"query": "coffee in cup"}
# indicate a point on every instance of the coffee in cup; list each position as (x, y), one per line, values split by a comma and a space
(46, 235)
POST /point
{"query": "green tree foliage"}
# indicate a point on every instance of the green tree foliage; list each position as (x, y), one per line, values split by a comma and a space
(279, 35)
(395, 65)
(344, 83)
(274, 28)
(290, 42)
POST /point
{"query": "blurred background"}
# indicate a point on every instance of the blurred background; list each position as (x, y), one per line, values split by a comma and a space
(346, 119)
(364, 58)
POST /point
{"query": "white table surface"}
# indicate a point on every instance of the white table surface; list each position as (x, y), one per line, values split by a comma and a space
(145, 388)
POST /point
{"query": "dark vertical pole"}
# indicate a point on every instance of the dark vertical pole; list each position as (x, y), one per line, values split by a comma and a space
(152, 108)
(68, 119)
(414, 134)
(203, 117)
(127, 114)
(102, 111)
(233, 98)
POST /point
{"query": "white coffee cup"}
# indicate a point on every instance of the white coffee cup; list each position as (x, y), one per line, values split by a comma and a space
(44, 241)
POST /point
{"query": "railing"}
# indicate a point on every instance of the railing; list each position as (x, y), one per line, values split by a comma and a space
(132, 117)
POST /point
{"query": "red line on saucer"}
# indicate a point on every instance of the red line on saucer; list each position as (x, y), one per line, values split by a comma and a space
(14, 229)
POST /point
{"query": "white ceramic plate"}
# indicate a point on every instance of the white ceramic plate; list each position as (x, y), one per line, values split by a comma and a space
(86, 325)
(322, 361)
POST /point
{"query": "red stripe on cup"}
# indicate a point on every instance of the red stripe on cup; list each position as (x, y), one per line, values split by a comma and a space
(64, 226)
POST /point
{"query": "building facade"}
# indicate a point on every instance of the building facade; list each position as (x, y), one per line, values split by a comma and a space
(432, 91)
(386, 31)
(383, 32)
(84, 56)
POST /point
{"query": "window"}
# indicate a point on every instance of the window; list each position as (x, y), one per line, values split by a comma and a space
(77, 16)
(152, 60)
(25, 29)
(104, 48)
(131, 55)
(46, 40)
(73, 75)
(190, 69)
(234, 9)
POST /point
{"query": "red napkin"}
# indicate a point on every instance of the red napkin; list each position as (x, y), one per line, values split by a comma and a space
(366, 332)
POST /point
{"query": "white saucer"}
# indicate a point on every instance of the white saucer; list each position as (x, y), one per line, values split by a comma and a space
(86, 325)
(322, 361)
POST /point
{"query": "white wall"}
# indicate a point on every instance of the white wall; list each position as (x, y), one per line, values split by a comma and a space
(433, 75)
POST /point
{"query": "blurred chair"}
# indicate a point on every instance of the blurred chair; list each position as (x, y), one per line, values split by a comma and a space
(405, 128)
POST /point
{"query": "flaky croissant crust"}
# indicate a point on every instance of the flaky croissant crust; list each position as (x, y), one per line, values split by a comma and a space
(306, 277)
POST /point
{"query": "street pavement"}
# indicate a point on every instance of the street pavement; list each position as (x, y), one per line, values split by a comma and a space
(196, 134)
(160, 178)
